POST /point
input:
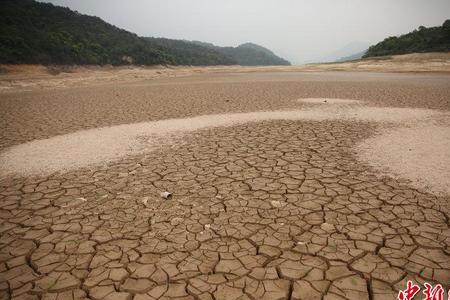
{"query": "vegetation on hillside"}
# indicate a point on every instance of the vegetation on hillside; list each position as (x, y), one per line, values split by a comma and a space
(32, 32)
(432, 39)
(249, 54)
(188, 53)
(41, 33)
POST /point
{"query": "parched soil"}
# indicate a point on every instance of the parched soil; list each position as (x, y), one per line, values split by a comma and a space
(31, 77)
(281, 187)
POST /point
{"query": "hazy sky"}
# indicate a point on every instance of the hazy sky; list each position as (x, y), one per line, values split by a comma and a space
(298, 30)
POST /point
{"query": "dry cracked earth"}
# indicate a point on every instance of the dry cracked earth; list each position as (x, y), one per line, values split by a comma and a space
(267, 210)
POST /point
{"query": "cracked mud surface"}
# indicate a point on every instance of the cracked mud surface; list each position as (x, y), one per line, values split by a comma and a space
(278, 209)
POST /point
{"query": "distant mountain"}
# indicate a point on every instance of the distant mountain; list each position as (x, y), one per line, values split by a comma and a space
(248, 54)
(349, 50)
(432, 39)
(41, 33)
(358, 55)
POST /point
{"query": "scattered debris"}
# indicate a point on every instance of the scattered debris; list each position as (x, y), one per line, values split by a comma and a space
(301, 243)
(166, 195)
(207, 226)
(82, 199)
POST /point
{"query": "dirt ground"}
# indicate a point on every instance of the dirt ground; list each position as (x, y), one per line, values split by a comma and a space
(30, 77)
(283, 188)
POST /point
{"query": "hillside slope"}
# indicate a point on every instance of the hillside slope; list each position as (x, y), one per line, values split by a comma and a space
(33, 32)
(41, 33)
(432, 39)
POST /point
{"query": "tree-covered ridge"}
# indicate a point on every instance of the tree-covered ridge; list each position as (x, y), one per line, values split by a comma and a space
(188, 53)
(432, 39)
(32, 32)
(41, 33)
(249, 54)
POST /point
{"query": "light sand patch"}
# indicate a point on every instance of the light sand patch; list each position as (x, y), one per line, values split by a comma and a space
(329, 101)
(421, 155)
(96, 146)
(416, 62)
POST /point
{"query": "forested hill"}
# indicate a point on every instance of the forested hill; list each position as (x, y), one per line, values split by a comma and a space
(249, 54)
(432, 39)
(41, 33)
(33, 32)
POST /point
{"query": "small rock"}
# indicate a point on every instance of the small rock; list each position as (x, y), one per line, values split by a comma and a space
(207, 226)
(166, 195)
(301, 243)
(276, 203)
(145, 201)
